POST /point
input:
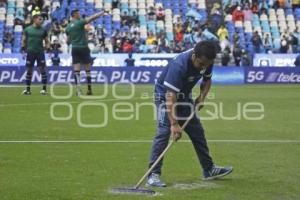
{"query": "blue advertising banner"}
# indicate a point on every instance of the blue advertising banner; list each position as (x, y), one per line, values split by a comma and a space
(274, 60)
(140, 75)
(272, 75)
(101, 60)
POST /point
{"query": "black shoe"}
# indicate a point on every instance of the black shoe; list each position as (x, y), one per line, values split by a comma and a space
(89, 93)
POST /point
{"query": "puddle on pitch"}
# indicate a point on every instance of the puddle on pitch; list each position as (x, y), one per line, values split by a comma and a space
(193, 186)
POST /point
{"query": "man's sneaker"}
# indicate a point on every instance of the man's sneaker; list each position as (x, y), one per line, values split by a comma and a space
(154, 180)
(26, 92)
(43, 92)
(89, 93)
(216, 172)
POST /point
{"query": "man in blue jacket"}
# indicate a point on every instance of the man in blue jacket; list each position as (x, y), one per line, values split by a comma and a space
(174, 105)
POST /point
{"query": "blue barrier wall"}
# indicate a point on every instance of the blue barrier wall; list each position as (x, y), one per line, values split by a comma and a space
(139, 75)
(148, 75)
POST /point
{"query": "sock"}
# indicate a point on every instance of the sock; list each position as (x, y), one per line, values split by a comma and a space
(28, 80)
(44, 80)
(89, 79)
(77, 78)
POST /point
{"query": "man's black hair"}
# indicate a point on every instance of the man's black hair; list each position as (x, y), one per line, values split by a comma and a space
(73, 12)
(206, 49)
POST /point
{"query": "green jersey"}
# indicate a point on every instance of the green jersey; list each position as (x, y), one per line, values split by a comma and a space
(34, 39)
(76, 32)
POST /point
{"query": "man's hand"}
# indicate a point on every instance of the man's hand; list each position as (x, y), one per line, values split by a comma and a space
(199, 103)
(176, 131)
(24, 54)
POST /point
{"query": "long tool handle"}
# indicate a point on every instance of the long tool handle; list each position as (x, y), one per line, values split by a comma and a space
(163, 153)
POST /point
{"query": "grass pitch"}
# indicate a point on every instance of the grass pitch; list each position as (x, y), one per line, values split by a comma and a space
(265, 154)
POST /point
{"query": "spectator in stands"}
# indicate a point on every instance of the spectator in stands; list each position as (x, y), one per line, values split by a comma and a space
(115, 4)
(55, 29)
(297, 61)
(154, 48)
(179, 47)
(3, 3)
(237, 15)
(117, 47)
(209, 35)
(179, 36)
(151, 39)
(267, 43)
(256, 42)
(19, 15)
(38, 3)
(125, 19)
(55, 51)
(281, 3)
(263, 6)
(130, 61)
(293, 42)
(19, 21)
(160, 14)
(64, 23)
(134, 29)
(237, 54)
(57, 14)
(143, 47)
(236, 37)
(127, 46)
(216, 15)
(151, 13)
(136, 46)
(248, 15)
(164, 47)
(178, 28)
(225, 58)
(227, 9)
(284, 45)
(134, 18)
(254, 8)
(233, 6)
(296, 4)
(270, 3)
(225, 44)
(276, 4)
(222, 33)
(246, 60)
(8, 37)
(197, 36)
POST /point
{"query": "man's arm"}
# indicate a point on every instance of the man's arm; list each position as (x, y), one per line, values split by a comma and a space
(95, 16)
(47, 44)
(171, 99)
(204, 89)
(24, 42)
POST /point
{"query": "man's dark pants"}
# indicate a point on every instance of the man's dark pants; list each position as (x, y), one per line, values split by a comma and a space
(193, 129)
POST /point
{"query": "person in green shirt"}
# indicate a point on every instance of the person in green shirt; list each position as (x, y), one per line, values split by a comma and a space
(80, 51)
(33, 40)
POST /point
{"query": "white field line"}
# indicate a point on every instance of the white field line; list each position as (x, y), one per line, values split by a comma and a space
(150, 141)
(71, 102)
(17, 86)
